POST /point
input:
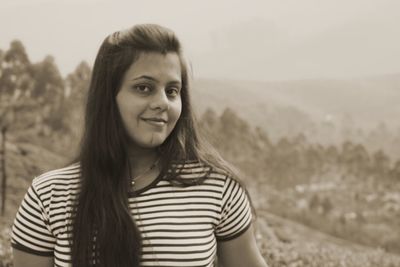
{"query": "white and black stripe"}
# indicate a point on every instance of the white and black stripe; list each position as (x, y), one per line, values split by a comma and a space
(180, 225)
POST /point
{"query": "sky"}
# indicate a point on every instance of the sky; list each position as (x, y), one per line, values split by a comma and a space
(224, 39)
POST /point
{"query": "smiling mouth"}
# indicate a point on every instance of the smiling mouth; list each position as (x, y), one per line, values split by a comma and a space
(155, 121)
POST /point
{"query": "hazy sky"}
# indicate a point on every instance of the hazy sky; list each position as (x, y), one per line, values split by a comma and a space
(247, 39)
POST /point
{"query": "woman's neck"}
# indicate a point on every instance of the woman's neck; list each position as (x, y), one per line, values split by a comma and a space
(142, 159)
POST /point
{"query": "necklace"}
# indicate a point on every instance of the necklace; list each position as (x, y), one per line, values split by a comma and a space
(141, 175)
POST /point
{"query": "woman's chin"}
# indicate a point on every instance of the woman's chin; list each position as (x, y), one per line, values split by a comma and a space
(151, 144)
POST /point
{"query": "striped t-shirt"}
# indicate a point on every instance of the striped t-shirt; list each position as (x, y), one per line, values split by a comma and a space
(180, 225)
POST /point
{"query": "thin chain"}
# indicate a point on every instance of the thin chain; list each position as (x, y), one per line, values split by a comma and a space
(138, 177)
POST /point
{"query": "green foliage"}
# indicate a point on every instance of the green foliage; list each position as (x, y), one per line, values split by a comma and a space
(14, 66)
(36, 96)
(291, 162)
(49, 84)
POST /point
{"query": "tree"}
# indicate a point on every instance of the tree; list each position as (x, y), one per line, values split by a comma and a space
(231, 124)
(315, 202)
(361, 160)
(395, 171)
(1, 62)
(381, 164)
(15, 70)
(234, 134)
(313, 160)
(209, 119)
(326, 205)
(355, 158)
(48, 81)
(77, 83)
(48, 91)
(76, 89)
(16, 55)
(331, 155)
(15, 85)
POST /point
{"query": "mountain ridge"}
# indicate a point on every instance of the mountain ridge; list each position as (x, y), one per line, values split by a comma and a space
(368, 100)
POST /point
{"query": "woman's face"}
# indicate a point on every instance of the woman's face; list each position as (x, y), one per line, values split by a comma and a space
(149, 99)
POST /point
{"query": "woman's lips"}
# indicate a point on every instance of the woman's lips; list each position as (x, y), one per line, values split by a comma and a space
(155, 121)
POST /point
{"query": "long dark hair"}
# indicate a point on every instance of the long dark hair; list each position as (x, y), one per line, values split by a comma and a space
(103, 230)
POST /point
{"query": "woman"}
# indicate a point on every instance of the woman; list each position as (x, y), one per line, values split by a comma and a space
(146, 190)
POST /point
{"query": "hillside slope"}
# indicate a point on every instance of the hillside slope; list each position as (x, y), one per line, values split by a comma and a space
(367, 100)
(285, 243)
(282, 241)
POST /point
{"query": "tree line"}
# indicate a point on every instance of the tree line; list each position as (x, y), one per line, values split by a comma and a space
(37, 104)
(36, 101)
(295, 160)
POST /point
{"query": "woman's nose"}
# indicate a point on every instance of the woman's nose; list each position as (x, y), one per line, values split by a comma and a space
(159, 100)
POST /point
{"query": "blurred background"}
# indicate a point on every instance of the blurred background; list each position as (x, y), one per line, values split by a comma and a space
(301, 96)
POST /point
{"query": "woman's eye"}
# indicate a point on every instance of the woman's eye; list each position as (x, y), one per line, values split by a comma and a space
(143, 88)
(173, 92)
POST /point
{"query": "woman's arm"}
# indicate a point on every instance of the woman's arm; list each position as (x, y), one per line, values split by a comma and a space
(23, 259)
(241, 251)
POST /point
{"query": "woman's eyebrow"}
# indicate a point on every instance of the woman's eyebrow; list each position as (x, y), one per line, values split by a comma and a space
(155, 80)
(175, 82)
(145, 77)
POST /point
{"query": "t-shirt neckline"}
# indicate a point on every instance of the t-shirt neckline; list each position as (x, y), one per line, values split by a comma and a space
(135, 193)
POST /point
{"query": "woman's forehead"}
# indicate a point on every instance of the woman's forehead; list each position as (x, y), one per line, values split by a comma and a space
(155, 65)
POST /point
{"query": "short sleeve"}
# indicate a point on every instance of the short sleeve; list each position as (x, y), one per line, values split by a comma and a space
(31, 232)
(235, 211)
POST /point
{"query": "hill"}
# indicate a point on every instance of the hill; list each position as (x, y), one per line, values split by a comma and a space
(303, 105)
(367, 100)
(24, 161)
(293, 244)
(283, 242)
(362, 110)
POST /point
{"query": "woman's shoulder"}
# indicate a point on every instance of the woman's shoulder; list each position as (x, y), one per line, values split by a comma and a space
(65, 176)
